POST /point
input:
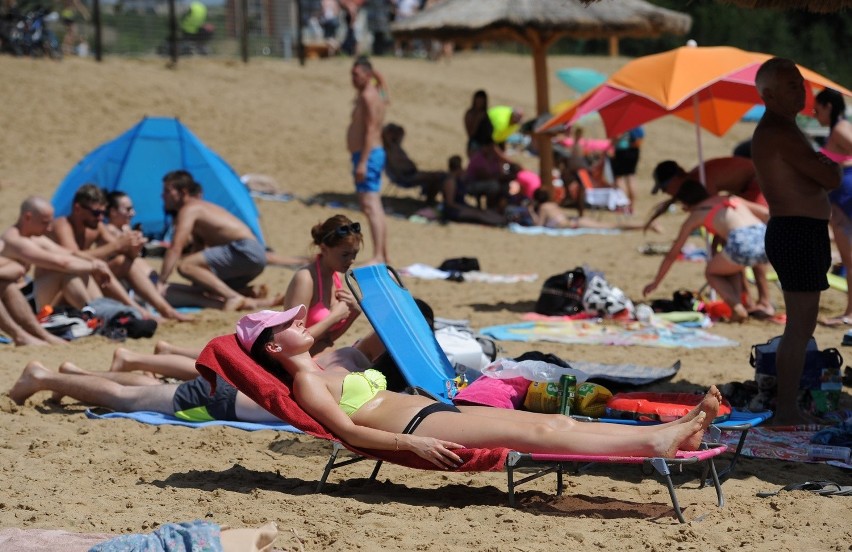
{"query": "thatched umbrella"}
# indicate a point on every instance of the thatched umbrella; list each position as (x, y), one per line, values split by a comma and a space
(538, 24)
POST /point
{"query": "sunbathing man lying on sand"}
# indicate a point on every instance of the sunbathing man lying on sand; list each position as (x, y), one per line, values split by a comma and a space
(373, 417)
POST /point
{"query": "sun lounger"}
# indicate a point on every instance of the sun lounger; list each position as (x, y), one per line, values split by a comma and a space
(739, 420)
(224, 356)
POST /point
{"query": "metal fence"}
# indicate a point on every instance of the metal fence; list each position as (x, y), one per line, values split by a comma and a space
(230, 28)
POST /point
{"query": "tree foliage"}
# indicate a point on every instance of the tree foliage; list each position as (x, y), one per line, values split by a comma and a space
(815, 40)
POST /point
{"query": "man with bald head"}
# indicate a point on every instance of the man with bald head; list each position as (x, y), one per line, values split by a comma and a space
(795, 180)
(61, 277)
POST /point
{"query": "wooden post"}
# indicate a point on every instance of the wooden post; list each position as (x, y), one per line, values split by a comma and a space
(173, 34)
(244, 30)
(613, 46)
(96, 19)
(542, 106)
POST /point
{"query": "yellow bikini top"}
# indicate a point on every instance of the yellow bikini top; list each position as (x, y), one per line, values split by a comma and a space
(360, 387)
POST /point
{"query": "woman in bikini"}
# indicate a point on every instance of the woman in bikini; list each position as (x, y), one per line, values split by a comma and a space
(331, 307)
(829, 109)
(739, 223)
(356, 407)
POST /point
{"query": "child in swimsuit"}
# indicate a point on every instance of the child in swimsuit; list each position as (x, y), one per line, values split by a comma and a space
(331, 307)
(739, 223)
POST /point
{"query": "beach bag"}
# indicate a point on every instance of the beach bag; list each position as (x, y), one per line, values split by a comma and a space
(466, 350)
(562, 294)
(460, 264)
(118, 321)
(604, 299)
(819, 387)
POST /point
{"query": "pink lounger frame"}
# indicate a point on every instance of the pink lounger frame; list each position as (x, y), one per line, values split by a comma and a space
(562, 463)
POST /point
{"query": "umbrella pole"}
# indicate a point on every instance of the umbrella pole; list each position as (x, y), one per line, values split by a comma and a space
(701, 174)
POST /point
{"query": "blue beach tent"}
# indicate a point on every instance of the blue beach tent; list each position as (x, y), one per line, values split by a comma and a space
(136, 162)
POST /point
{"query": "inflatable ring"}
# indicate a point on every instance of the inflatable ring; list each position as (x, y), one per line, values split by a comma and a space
(658, 407)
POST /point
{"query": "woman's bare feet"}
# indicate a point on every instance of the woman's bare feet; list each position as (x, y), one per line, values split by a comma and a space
(709, 404)
(676, 437)
(29, 382)
(709, 411)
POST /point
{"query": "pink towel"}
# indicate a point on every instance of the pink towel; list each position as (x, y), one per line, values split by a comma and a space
(499, 393)
(224, 356)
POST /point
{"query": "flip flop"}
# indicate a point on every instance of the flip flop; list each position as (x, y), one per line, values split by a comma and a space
(825, 488)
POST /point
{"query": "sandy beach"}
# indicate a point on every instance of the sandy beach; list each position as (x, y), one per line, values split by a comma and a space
(61, 470)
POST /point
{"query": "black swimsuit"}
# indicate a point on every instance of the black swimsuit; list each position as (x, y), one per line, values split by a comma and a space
(426, 411)
(800, 252)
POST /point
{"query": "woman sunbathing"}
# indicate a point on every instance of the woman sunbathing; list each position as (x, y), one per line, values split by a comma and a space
(740, 224)
(356, 408)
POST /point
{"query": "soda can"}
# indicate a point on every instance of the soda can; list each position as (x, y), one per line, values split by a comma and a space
(567, 392)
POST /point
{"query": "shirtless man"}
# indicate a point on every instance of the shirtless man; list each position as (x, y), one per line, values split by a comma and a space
(84, 231)
(17, 319)
(225, 255)
(364, 140)
(728, 175)
(795, 180)
(62, 277)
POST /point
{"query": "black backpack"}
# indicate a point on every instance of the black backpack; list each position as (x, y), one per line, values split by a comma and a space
(562, 294)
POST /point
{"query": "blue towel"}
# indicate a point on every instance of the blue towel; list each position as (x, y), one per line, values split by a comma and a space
(155, 418)
(193, 536)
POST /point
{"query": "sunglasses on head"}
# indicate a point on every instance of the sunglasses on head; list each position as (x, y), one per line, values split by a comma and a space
(343, 231)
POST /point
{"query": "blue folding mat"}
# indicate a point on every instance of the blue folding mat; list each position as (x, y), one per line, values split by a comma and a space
(391, 310)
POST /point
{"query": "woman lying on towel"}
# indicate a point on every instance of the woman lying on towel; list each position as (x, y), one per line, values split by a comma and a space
(356, 407)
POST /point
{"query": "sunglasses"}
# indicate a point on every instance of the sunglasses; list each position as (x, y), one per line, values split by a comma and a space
(95, 212)
(343, 231)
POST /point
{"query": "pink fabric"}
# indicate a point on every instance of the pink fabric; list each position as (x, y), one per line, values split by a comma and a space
(499, 393)
(224, 356)
(529, 182)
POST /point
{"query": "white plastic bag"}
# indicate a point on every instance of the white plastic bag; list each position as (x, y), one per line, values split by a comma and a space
(533, 370)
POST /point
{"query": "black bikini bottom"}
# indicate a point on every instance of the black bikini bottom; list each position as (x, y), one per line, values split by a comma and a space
(426, 411)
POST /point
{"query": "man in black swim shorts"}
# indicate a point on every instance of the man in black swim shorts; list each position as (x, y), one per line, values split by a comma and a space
(795, 181)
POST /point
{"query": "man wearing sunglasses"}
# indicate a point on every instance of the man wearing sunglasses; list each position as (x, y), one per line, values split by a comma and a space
(83, 231)
(62, 277)
(364, 140)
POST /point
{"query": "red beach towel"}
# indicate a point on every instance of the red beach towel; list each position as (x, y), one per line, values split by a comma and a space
(224, 356)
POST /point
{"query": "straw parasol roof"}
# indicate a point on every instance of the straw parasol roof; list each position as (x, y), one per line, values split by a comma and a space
(810, 5)
(538, 24)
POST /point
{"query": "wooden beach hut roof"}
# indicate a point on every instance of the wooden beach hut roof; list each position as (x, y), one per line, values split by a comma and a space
(516, 20)
(538, 24)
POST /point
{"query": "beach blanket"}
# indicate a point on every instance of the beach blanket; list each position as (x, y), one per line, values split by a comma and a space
(543, 230)
(155, 418)
(788, 443)
(656, 333)
(426, 272)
